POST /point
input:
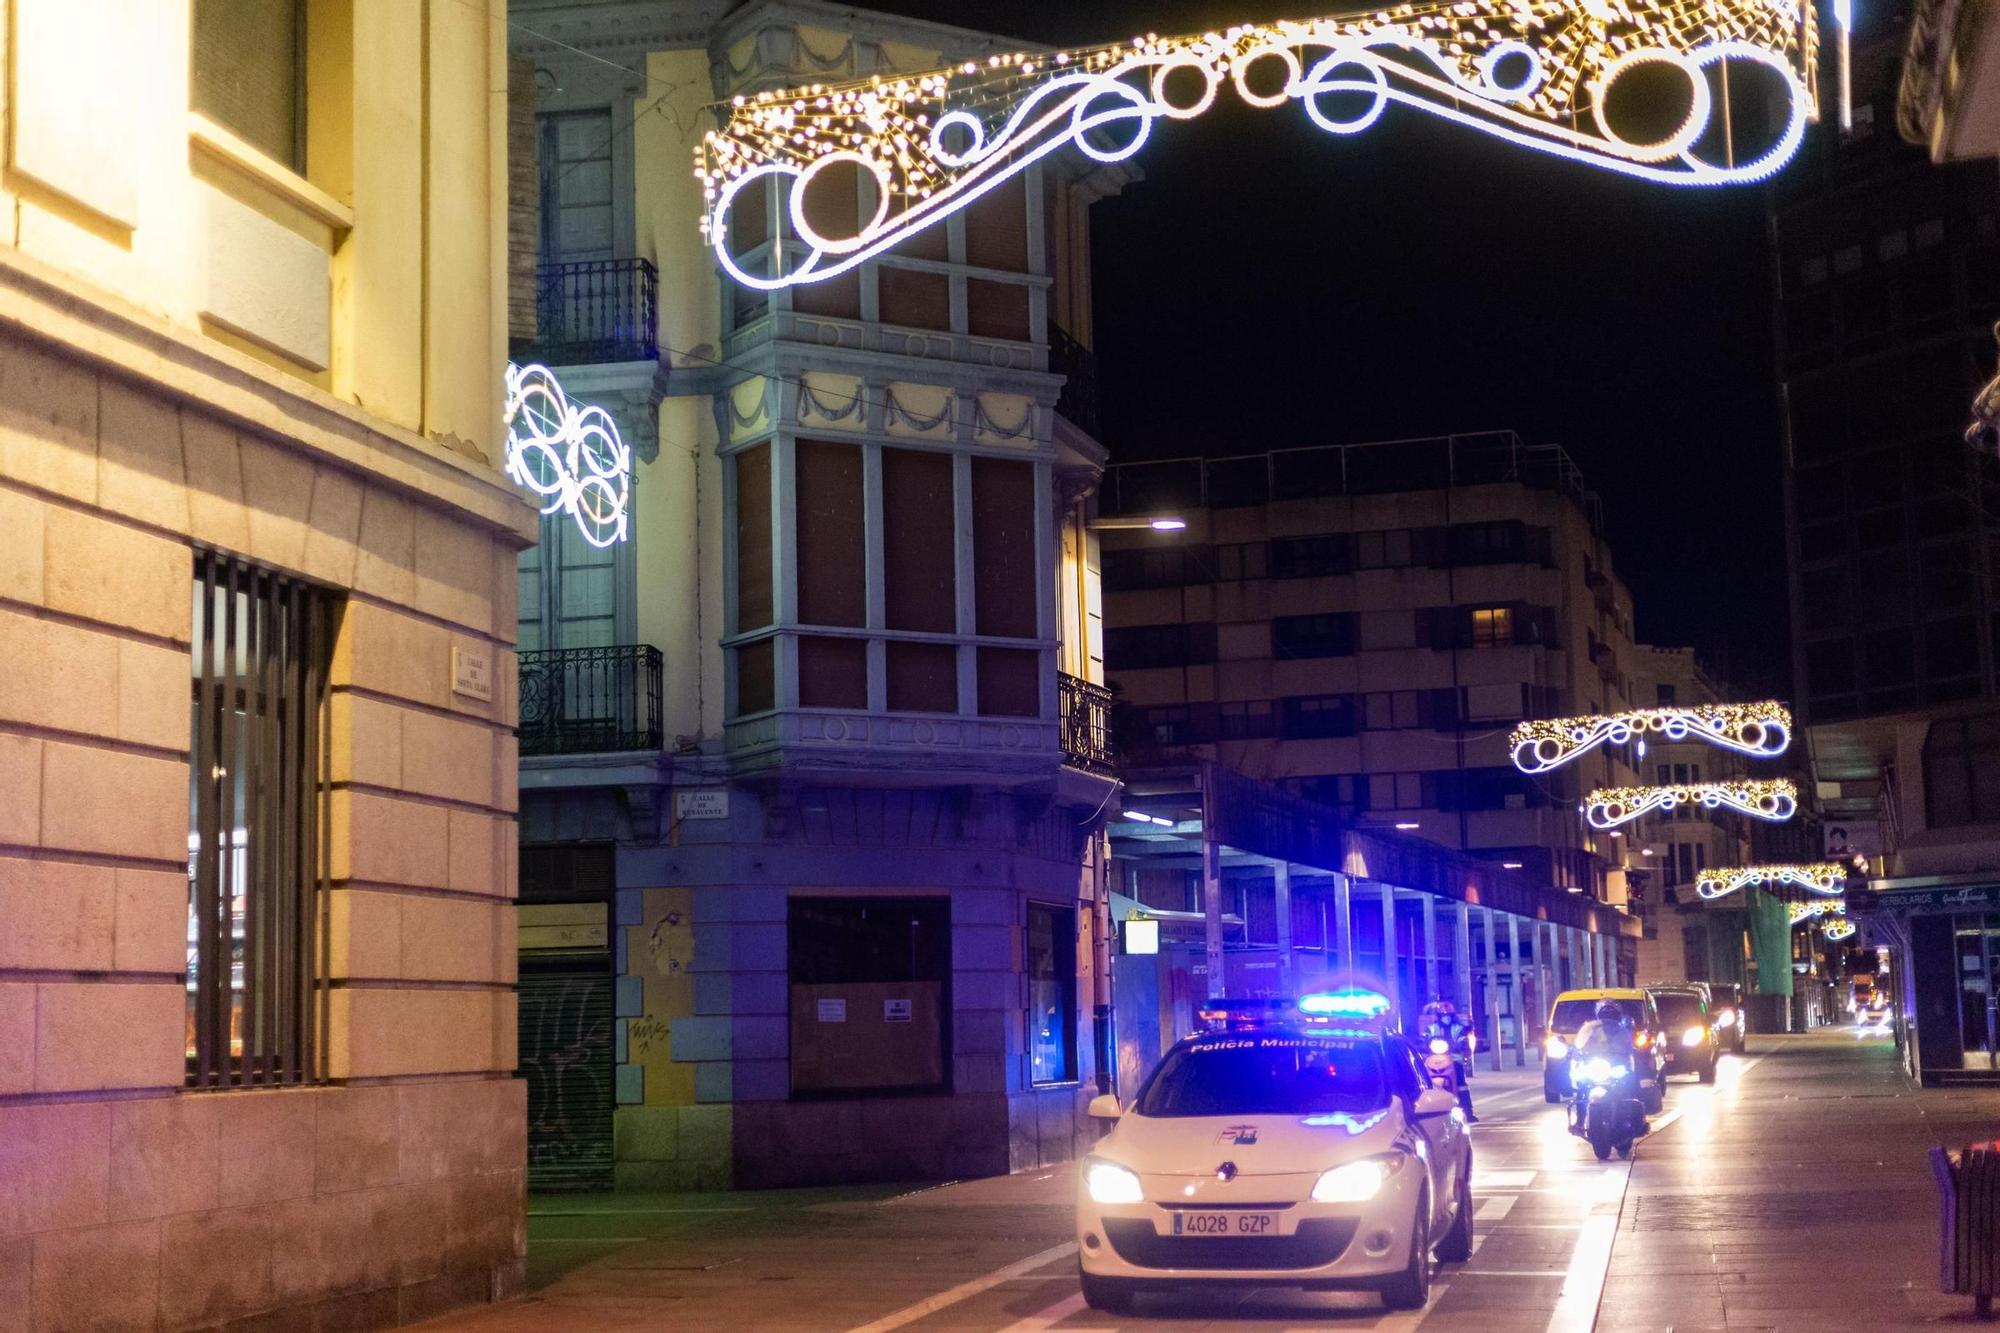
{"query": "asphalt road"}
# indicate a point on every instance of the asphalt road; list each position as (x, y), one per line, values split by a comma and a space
(1721, 1221)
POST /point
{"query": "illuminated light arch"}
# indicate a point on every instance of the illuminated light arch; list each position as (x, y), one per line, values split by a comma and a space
(1838, 929)
(1826, 878)
(1818, 907)
(568, 454)
(1774, 800)
(1761, 730)
(1445, 59)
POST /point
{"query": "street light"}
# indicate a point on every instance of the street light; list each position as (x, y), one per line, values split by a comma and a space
(1140, 523)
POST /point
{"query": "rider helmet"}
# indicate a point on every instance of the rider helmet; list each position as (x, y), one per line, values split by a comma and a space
(1608, 1011)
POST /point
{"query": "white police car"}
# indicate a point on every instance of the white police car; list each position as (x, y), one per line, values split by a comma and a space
(1303, 1152)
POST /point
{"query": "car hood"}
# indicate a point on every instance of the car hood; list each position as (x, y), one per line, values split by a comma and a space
(1258, 1145)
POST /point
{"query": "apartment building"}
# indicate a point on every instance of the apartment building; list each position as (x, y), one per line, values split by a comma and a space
(1363, 624)
(814, 763)
(257, 1017)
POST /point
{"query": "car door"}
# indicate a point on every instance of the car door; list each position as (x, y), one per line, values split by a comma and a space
(1444, 1135)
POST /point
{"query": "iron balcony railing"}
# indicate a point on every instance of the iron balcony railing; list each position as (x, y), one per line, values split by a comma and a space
(593, 311)
(1078, 366)
(590, 700)
(1086, 724)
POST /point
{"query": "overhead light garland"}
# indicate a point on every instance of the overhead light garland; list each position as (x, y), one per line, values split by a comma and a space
(1818, 907)
(569, 454)
(1762, 730)
(1775, 800)
(1536, 73)
(1838, 929)
(1822, 877)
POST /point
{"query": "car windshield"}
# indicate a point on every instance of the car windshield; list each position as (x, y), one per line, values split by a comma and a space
(1267, 1075)
(1678, 1009)
(1571, 1015)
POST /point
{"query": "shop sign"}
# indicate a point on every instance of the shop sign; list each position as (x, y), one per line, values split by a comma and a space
(833, 1011)
(1943, 899)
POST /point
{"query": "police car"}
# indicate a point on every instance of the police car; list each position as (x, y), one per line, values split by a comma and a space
(1303, 1149)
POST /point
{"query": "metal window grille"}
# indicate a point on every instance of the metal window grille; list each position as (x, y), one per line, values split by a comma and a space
(257, 794)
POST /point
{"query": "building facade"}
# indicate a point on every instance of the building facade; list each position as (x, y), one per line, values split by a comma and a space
(257, 774)
(1888, 284)
(1364, 624)
(814, 764)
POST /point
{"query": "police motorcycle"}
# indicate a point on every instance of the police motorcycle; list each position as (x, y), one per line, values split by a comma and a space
(1445, 1042)
(1605, 1107)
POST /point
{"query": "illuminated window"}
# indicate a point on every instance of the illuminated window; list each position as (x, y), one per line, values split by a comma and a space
(1492, 626)
(260, 647)
(1052, 992)
(249, 72)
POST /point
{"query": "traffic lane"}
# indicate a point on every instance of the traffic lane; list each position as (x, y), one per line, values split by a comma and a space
(1536, 1188)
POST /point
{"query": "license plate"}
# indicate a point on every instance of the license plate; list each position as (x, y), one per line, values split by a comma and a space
(1225, 1224)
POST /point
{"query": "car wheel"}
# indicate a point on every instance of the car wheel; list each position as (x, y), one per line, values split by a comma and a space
(1456, 1247)
(1549, 1093)
(1107, 1293)
(1411, 1288)
(1707, 1074)
(1656, 1095)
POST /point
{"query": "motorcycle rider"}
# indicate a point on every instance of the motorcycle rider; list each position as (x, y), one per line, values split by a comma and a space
(1607, 1036)
(1441, 1019)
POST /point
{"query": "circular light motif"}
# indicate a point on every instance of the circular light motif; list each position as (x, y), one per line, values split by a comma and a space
(570, 456)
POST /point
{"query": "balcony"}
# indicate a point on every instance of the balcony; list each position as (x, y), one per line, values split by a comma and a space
(1085, 732)
(1078, 366)
(595, 311)
(590, 700)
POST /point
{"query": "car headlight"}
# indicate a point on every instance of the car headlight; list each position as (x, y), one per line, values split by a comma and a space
(1694, 1036)
(1108, 1182)
(1555, 1047)
(1725, 1019)
(1356, 1182)
(1439, 1046)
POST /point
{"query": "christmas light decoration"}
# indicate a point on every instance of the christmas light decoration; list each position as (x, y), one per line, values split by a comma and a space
(568, 454)
(1537, 73)
(1774, 800)
(1822, 877)
(1838, 929)
(1762, 730)
(1818, 907)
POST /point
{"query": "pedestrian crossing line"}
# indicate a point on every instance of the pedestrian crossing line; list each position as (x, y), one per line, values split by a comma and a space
(1495, 1207)
(1502, 1180)
(1049, 1318)
(965, 1291)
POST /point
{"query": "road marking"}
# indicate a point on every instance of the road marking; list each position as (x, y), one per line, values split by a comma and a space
(1590, 1261)
(1492, 1209)
(1502, 1180)
(964, 1291)
(1048, 1318)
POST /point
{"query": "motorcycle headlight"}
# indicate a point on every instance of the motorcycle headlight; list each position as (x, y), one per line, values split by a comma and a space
(1110, 1183)
(1555, 1047)
(1356, 1182)
(1439, 1046)
(1597, 1071)
(1694, 1036)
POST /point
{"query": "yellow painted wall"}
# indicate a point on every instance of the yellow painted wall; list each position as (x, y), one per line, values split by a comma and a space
(660, 949)
(679, 496)
(404, 191)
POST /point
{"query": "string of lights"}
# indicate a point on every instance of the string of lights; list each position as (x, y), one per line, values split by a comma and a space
(1536, 73)
(1821, 877)
(1774, 800)
(1762, 730)
(568, 454)
(1838, 929)
(1817, 907)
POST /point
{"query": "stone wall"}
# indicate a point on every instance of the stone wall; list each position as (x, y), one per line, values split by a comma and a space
(127, 1201)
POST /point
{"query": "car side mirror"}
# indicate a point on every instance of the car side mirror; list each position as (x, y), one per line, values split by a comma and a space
(1104, 1106)
(1433, 1102)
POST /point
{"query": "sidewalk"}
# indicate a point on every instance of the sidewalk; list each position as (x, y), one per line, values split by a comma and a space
(1799, 1197)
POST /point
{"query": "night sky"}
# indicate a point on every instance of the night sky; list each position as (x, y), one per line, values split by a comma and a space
(1269, 286)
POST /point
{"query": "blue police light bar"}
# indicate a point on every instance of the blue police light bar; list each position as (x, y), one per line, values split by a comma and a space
(1345, 1004)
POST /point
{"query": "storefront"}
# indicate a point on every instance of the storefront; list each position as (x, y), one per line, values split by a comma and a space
(1946, 932)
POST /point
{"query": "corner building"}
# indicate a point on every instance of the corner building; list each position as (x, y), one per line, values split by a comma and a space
(257, 567)
(814, 765)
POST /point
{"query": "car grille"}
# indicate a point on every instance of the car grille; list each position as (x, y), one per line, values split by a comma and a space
(1319, 1241)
